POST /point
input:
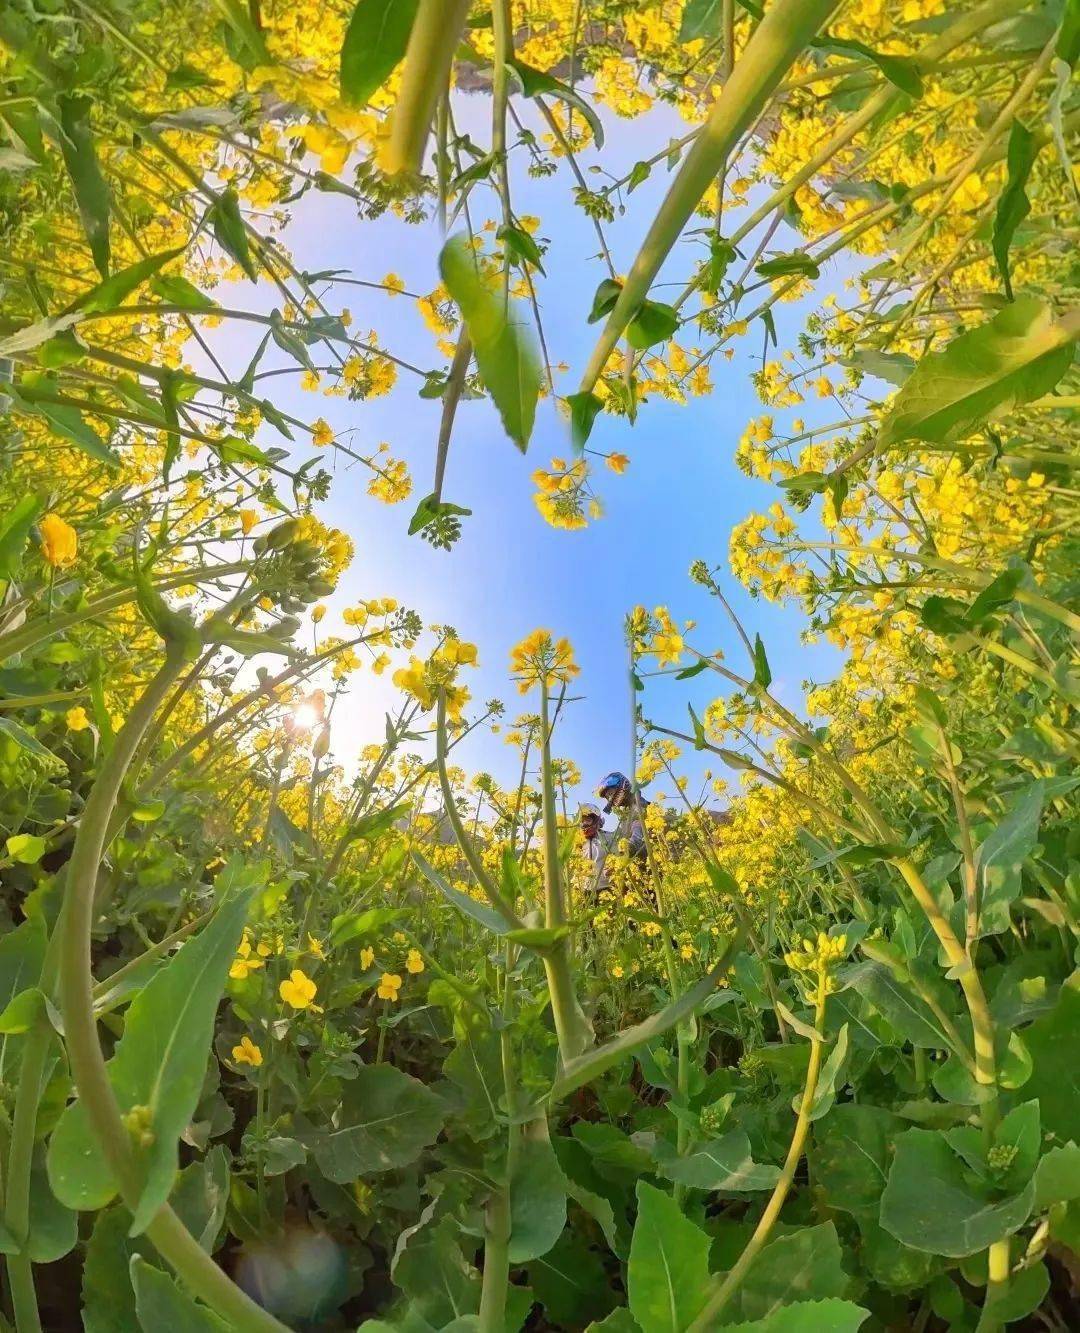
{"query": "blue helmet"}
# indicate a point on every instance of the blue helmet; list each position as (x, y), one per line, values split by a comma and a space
(614, 783)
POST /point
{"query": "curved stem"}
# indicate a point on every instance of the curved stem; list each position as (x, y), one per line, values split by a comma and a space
(169, 1235)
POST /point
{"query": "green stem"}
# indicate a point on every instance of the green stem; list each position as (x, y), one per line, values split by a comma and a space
(571, 1026)
(730, 1284)
(20, 1160)
(783, 33)
(168, 1234)
(428, 58)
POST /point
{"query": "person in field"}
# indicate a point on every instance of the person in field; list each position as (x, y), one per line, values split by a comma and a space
(618, 794)
(595, 846)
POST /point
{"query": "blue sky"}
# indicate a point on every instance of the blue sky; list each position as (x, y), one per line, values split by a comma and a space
(510, 572)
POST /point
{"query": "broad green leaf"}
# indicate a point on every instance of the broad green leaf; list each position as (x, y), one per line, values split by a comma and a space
(999, 859)
(228, 224)
(504, 354)
(1017, 356)
(159, 1066)
(537, 1201)
(700, 18)
(374, 45)
(480, 912)
(654, 322)
(175, 289)
(724, 1164)
(618, 1321)
(26, 848)
(14, 531)
(431, 1269)
(806, 1264)
(361, 925)
(112, 293)
(66, 421)
(828, 1316)
(54, 1229)
(1057, 1177)
(785, 266)
(901, 71)
(108, 1297)
(1053, 1042)
(907, 1012)
(91, 192)
(932, 1203)
(520, 245)
(668, 1274)
(26, 740)
(535, 83)
(385, 1119)
(850, 1155)
(1013, 205)
(570, 1282)
(604, 299)
(584, 408)
(161, 1304)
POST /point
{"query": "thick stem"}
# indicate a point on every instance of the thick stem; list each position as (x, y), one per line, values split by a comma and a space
(20, 1160)
(171, 1238)
(571, 1025)
(706, 1320)
(428, 58)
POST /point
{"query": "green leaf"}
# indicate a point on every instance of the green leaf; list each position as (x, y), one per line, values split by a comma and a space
(361, 925)
(668, 1274)
(700, 18)
(792, 265)
(1017, 356)
(724, 1164)
(91, 192)
(1053, 1042)
(15, 528)
(504, 353)
(161, 1304)
(762, 671)
(999, 859)
(520, 245)
(654, 322)
(374, 46)
(1057, 1177)
(431, 1269)
(535, 82)
(385, 1120)
(159, 1065)
(828, 1316)
(228, 225)
(806, 1264)
(23, 738)
(1013, 205)
(175, 289)
(584, 408)
(112, 293)
(825, 1092)
(537, 1201)
(604, 299)
(108, 1298)
(910, 1015)
(481, 912)
(26, 848)
(67, 422)
(571, 1284)
(850, 1155)
(538, 937)
(54, 1229)
(901, 71)
(931, 1202)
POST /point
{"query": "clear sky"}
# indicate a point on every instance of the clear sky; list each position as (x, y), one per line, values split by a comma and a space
(510, 572)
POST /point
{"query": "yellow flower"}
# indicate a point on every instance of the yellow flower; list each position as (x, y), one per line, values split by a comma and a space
(247, 1053)
(314, 947)
(537, 659)
(389, 986)
(367, 957)
(394, 284)
(321, 434)
(244, 962)
(248, 519)
(317, 613)
(59, 541)
(414, 963)
(618, 463)
(76, 719)
(298, 991)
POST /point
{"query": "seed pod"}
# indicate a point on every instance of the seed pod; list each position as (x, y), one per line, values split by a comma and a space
(280, 537)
